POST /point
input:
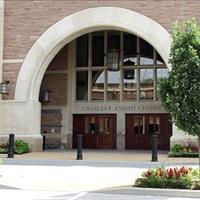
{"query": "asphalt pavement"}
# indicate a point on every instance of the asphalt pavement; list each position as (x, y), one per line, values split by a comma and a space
(22, 178)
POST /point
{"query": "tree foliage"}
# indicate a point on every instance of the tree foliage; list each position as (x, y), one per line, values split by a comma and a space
(180, 92)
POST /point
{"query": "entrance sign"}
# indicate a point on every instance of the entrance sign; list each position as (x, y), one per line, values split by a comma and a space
(121, 108)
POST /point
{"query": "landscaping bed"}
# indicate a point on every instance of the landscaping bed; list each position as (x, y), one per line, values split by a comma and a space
(20, 147)
(184, 151)
(174, 178)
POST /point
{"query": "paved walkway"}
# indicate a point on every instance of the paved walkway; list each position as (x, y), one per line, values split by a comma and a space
(60, 171)
(112, 155)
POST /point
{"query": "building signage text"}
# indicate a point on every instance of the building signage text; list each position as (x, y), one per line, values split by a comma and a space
(121, 108)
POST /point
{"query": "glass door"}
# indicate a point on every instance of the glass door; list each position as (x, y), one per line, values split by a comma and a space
(141, 127)
(99, 130)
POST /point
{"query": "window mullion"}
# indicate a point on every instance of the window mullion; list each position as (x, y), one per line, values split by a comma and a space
(138, 68)
(105, 63)
(121, 63)
(74, 69)
(154, 75)
(89, 65)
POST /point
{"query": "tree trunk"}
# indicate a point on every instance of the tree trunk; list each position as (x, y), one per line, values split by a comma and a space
(199, 153)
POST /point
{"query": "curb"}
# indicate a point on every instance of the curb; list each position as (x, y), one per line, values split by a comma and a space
(154, 192)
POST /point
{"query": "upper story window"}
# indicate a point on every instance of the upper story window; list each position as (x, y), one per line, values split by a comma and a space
(140, 67)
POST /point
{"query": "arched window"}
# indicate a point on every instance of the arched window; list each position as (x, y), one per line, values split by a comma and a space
(137, 68)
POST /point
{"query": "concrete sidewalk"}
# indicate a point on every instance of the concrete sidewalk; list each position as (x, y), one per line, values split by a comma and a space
(71, 176)
(110, 155)
(60, 171)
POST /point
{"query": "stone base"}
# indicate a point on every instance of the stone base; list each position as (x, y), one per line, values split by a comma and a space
(120, 145)
(35, 142)
(68, 144)
(185, 141)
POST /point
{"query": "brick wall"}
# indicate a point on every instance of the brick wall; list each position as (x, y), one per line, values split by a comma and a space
(54, 80)
(10, 72)
(26, 20)
(57, 84)
(60, 61)
(51, 124)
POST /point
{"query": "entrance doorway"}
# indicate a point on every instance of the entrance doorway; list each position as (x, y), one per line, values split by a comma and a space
(141, 127)
(98, 130)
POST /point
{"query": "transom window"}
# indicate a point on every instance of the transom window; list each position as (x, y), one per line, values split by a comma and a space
(135, 79)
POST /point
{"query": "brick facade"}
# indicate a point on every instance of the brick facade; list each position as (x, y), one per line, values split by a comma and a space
(56, 82)
(51, 124)
(25, 21)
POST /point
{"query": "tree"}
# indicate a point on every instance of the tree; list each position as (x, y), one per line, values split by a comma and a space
(180, 92)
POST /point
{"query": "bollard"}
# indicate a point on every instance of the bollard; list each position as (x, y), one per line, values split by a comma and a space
(44, 142)
(154, 148)
(11, 146)
(79, 147)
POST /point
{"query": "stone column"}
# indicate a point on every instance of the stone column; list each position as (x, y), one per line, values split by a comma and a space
(70, 96)
(180, 137)
(121, 127)
(1, 40)
(23, 120)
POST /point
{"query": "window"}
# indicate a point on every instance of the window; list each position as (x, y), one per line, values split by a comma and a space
(98, 48)
(82, 51)
(113, 40)
(140, 68)
(146, 124)
(113, 85)
(159, 60)
(160, 74)
(130, 49)
(130, 84)
(81, 85)
(146, 53)
(146, 84)
(98, 79)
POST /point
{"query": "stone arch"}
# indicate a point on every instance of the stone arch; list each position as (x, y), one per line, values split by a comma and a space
(71, 27)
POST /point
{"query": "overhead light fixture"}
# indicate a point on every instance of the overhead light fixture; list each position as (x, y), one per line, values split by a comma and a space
(113, 60)
(4, 87)
(46, 97)
(129, 74)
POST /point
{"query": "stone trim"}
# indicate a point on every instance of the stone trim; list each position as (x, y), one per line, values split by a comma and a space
(57, 72)
(13, 61)
(1, 40)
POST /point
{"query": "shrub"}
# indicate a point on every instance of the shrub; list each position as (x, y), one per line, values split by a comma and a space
(183, 151)
(179, 178)
(4, 148)
(177, 148)
(21, 147)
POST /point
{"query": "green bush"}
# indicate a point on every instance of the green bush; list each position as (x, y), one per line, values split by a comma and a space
(184, 154)
(183, 151)
(21, 147)
(179, 178)
(177, 148)
(4, 148)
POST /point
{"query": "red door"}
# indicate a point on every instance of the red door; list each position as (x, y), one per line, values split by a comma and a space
(99, 131)
(141, 127)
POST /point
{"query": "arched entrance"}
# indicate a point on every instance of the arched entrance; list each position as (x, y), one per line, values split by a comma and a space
(67, 29)
(71, 27)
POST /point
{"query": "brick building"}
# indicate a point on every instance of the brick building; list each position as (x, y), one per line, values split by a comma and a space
(88, 67)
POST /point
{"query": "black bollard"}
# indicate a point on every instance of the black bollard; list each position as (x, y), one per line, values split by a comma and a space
(11, 146)
(44, 142)
(79, 147)
(154, 148)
